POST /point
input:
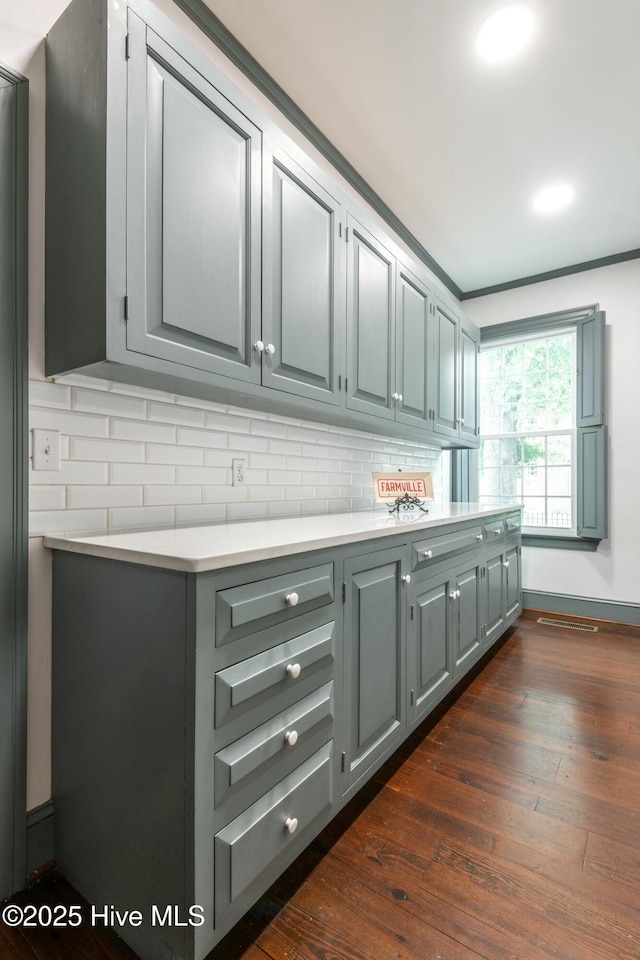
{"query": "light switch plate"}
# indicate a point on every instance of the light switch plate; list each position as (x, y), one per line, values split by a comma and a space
(46, 449)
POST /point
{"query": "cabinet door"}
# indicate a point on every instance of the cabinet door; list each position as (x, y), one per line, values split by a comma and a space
(467, 617)
(412, 350)
(469, 423)
(374, 657)
(193, 216)
(513, 584)
(495, 603)
(446, 370)
(370, 323)
(303, 269)
(430, 645)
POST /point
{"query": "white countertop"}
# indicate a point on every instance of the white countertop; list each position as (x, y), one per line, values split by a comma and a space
(212, 547)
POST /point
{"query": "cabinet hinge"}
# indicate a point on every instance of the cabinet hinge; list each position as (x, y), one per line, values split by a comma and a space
(346, 234)
(412, 697)
(344, 592)
(126, 307)
(343, 762)
(346, 384)
(413, 610)
(127, 51)
(340, 381)
(340, 229)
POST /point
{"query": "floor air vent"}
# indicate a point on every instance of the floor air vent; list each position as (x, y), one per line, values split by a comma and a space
(550, 622)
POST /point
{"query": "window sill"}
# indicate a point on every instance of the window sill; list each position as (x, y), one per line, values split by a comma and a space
(552, 542)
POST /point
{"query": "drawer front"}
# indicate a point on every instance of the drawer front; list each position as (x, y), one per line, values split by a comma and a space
(283, 739)
(253, 606)
(425, 552)
(262, 834)
(250, 682)
(493, 530)
(513, 524)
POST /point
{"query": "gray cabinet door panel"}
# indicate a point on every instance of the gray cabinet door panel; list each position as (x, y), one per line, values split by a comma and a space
(412, 350)
(468, 617)
(469, 423)
(373, 657)
(445, 339)
(303, 305)
(370, 324)
(193, 209)
(494, 598)
(430, 661)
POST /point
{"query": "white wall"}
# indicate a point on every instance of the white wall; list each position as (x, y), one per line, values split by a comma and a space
(612, 572)
(134, 457)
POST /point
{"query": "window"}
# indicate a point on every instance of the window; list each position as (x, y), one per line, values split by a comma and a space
(543, 433)
(528, 428)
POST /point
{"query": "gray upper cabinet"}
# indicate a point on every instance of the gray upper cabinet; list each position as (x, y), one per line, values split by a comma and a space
(370, 323)
(455, 345)
(193, 215)
(413, 361)
(303, 281)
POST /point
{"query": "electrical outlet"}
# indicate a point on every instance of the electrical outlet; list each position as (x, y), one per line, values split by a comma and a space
(46, 449)
(239, 472)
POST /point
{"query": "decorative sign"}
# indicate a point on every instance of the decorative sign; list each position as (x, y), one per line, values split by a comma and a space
(394, 486)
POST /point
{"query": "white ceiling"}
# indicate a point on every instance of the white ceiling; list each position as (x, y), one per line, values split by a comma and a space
(457, 148)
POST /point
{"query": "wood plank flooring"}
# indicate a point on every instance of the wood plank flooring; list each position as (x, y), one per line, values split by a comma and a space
(507, 829)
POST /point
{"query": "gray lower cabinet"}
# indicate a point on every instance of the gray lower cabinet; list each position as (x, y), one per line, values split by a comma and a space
(206, 726)
(374, 659)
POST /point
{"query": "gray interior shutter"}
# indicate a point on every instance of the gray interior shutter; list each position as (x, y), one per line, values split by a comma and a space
(592, 433)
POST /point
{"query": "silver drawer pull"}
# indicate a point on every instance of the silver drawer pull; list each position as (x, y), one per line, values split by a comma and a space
(427, 554)
(406, 578)
(291, 824)
(478, 536)
(294, 670)
(291, 736)
(292, 599)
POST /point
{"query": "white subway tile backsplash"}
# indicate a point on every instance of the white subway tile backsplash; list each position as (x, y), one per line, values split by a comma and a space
(106, 450)
(98, 401)
(142, 473)
(80, 498)
(135, 457)
(142, 430)
(173, 413)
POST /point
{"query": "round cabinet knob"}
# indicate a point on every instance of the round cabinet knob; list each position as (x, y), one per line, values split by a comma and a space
(395, 396)
(498, 531)
(461, 419)
(292, 599)
(291, 736)
(406, 579)
(294, 670)
(506, 563)
(399, 398)
(270, 349)
(452, 595)
(478, 536)
(258, 346)
(427, 554)
(291, 824)
(457, 594)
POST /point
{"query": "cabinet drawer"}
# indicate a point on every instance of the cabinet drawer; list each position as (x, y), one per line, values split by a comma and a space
(261, 835)
(252, 606)
(424, 552)
(513, 523)
(283, 739)
(493, 530)
(250, 682)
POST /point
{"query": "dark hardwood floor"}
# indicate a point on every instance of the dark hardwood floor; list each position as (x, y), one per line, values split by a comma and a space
(508, 829)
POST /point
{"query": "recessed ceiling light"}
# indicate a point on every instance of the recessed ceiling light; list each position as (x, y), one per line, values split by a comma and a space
(505, 33)
(553, 198)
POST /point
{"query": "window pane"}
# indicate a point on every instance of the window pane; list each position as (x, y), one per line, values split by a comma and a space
(559, 481)
(534, 449)
(510, 451)
(489, 483)
(534, 512)
(560, 413)
(559, 450)
(559, 511)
